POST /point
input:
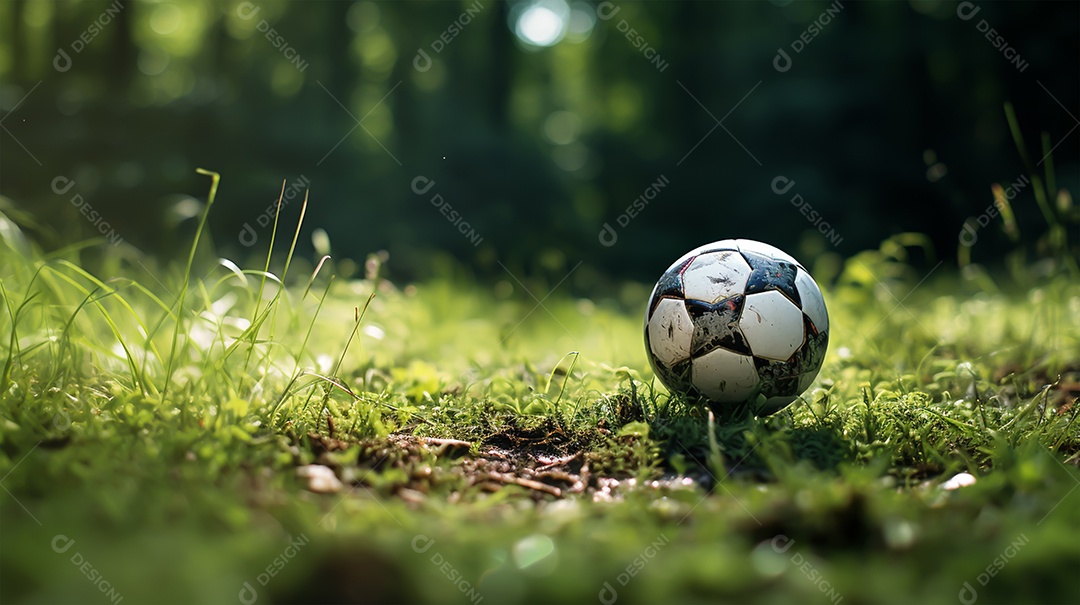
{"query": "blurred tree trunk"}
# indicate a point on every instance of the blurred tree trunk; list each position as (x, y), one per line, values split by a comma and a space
(338, 74)
(342, 67)
(500, 69)
(405, 103)
(689, 67)
(124, 50)
(16, 32)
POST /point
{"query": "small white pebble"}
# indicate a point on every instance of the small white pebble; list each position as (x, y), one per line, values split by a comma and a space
(960, 480)
(320, 479)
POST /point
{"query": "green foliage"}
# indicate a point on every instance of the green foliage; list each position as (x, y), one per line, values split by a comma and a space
(160, 423)
(562, 139)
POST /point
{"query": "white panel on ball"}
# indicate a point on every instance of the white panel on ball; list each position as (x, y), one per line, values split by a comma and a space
(670, 331)
(724, 376)
(755, 247)
(724, 244)
(812, 302)
(716, 275)
(772, 324)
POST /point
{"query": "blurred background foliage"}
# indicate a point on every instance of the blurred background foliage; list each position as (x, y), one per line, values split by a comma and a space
(538, 121)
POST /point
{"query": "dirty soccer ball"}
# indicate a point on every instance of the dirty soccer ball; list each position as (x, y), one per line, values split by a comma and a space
(737, 321)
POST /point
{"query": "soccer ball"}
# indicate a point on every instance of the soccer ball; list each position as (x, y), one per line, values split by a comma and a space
(737, 321)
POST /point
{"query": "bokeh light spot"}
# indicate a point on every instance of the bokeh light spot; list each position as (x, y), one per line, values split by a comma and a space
(363, 17)
(562, 127)
(570, 157)
(165, 19)
(152, 61)
(582, 21)
(543, 23)
(536, 554)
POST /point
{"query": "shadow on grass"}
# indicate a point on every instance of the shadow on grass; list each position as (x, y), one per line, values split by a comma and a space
(744, 445)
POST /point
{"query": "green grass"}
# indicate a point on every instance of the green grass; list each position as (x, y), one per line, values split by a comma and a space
(157, 417)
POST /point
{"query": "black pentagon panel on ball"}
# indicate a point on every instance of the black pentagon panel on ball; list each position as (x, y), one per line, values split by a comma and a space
(772, 274)
(670, 284)
(778, 378)
(812, 352)
(717, 326)
(676, 378)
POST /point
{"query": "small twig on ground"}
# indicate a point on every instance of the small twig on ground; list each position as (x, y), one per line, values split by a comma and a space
(452, 442)
(552, 463)
(557, 476)
(527, 483)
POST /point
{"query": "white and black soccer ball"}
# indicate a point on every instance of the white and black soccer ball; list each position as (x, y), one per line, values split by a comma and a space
(737, 321)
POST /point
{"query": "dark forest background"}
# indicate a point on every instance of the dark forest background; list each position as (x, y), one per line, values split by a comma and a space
(889, 120)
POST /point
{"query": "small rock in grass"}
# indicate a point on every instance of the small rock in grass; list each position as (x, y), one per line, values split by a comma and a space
(960, 480)
(320, 479)
(411, 496)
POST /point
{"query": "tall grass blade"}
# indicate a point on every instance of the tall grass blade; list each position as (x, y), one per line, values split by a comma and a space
(215, 178)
